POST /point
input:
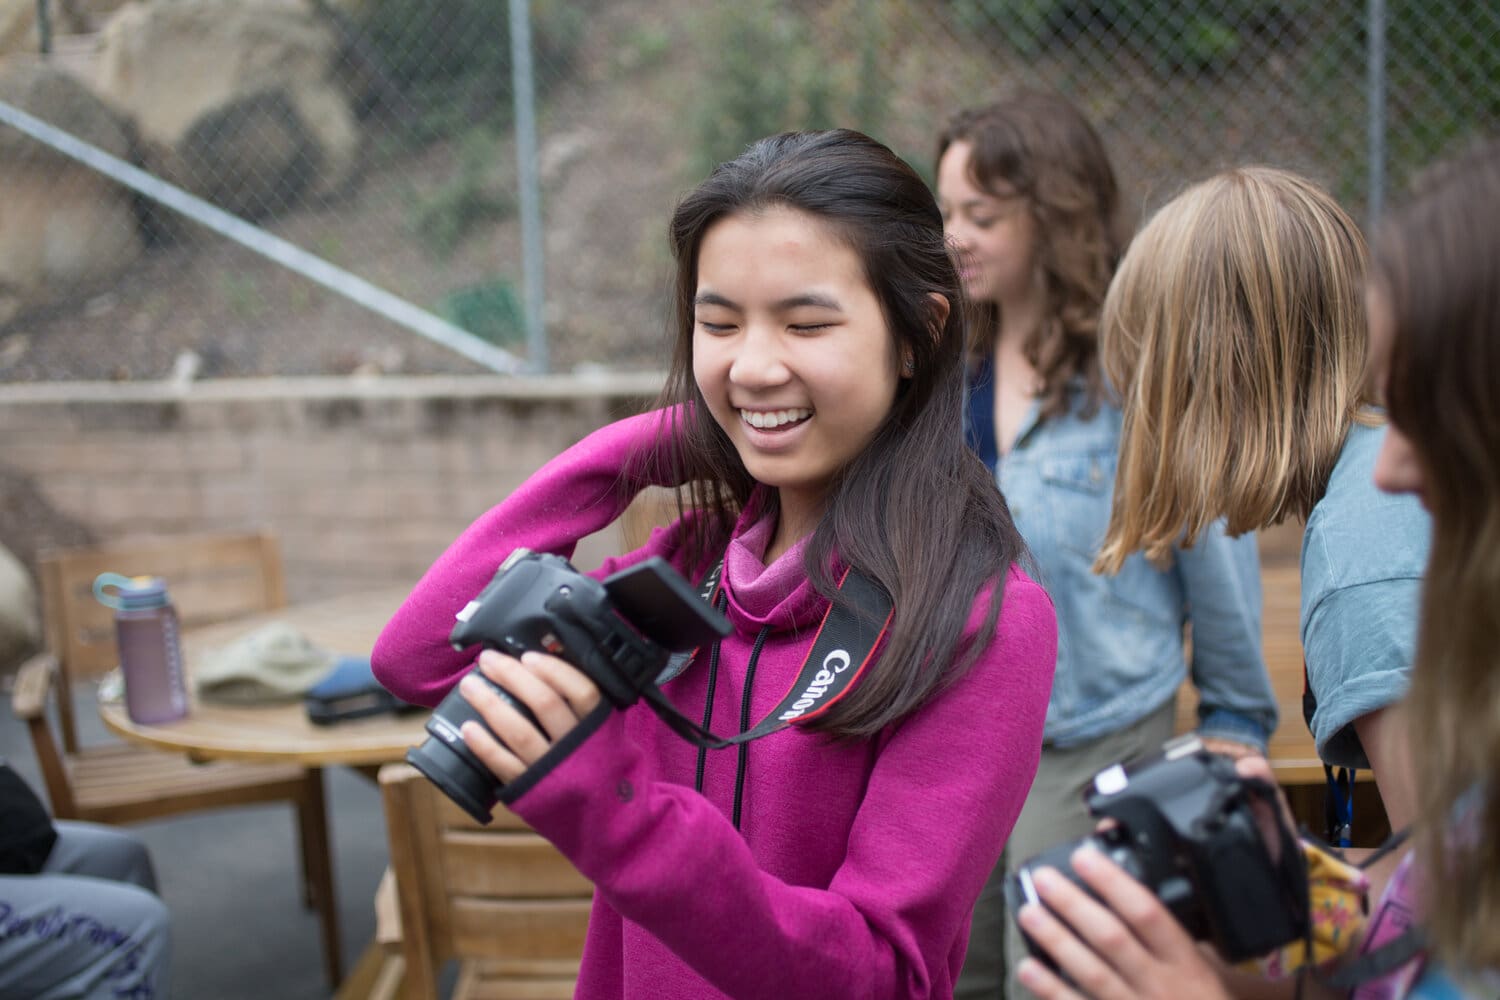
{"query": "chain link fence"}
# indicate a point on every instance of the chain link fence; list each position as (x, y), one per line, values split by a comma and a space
(324, 186)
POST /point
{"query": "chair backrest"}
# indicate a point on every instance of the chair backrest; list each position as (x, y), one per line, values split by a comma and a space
(211, 578)
(496, 894)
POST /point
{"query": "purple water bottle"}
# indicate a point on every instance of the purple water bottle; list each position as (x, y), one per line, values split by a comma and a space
(150, 654)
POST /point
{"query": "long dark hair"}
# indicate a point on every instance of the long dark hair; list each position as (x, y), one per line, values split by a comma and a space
(916, 511)
(1038, 145)
(1438, 261)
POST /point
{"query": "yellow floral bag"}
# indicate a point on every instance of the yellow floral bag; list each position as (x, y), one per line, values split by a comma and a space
(1338, 905)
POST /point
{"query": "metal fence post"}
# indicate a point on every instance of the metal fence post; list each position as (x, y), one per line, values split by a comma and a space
(43, 27)
(526, 162)
(1375, 80)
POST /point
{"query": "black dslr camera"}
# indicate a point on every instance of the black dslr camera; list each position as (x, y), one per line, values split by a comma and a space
(620, 632)
(1184, 827)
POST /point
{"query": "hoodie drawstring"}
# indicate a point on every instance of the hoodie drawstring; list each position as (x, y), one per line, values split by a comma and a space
(744, 748)
(742, 758)
(721, 601)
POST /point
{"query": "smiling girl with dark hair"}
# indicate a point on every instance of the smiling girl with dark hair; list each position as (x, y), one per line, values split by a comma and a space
(816, 384)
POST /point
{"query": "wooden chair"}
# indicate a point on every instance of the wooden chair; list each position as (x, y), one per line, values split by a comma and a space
(498, 898)
(211, 579)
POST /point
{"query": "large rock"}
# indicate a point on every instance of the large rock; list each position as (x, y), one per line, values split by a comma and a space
(240, 91)
(18, 24)
(86, 15)
(62, 226)
(18, 27)
(20, 627)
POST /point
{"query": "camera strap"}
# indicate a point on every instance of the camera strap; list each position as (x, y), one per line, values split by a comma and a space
(1338, 799)
(840, 652)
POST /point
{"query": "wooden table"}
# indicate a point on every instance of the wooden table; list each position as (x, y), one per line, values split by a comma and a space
(282, 733)
(219, 731)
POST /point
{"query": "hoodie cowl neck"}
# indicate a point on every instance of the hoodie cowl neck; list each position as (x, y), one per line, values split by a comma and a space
(778, 595)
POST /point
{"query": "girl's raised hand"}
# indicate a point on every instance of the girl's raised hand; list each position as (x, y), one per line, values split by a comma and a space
(555, 691)
(1128, 949)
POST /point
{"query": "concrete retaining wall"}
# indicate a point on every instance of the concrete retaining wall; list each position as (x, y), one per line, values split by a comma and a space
(364, 480)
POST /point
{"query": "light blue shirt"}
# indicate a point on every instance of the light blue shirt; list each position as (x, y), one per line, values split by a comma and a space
(1363, 554)
(1120, 649)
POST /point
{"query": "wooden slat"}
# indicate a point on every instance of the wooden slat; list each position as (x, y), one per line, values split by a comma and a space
(527, 967)
(450, 817)
(33, 686)
(472, 985)
(387, 911)
(122, 784)
(511, 864)
(547, 928)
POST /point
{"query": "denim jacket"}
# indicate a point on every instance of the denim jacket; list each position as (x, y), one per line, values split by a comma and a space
(1120, 652)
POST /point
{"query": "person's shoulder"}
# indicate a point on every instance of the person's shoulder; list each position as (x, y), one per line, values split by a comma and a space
(1357, 533)
(1026, 611)
(1019, 651)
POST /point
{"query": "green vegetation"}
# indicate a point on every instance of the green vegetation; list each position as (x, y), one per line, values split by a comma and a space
(444, 216)
(490, 310)
(1442, 86)
(775, 68)
(449, 63)
(1201, 36)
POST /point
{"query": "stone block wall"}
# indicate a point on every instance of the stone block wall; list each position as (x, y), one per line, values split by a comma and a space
(365, 481)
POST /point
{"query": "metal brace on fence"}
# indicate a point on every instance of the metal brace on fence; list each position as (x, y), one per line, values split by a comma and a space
(274, 248)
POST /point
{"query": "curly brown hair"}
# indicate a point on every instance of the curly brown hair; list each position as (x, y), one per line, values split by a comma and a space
(1038, 145)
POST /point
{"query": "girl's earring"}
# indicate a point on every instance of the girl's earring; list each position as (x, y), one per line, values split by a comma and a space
(908, 367)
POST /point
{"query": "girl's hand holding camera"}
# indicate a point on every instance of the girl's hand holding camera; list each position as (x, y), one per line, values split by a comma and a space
(557, 693)
(1128, 949)
(1131, 946)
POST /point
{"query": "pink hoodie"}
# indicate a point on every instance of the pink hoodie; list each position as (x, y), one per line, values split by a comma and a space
(855, 866)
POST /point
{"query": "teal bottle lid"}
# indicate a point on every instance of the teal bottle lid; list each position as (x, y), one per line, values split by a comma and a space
(130, 593)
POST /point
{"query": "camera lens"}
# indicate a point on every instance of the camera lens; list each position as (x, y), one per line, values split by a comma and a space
(453, 770)
(449, 763)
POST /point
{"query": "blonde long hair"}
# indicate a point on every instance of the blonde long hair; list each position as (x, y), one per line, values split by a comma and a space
(1438, 260)
(1234, 332)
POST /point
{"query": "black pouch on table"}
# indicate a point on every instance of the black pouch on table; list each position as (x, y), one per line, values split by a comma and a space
(350, 691)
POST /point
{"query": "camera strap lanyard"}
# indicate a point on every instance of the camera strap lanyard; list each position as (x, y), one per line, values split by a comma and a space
(1338, 800)
(840, 652)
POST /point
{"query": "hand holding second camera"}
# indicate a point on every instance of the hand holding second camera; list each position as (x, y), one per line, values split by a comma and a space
(1129, 948)
(1111, 936)
(557, 694)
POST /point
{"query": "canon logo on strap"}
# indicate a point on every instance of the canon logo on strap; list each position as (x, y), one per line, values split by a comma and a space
(843, 647)
(835, 663)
